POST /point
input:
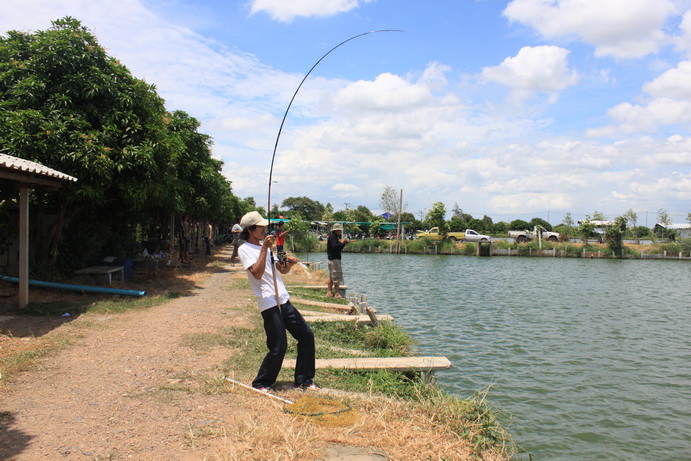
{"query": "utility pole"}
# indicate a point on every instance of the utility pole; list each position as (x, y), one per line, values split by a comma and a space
(398, 225)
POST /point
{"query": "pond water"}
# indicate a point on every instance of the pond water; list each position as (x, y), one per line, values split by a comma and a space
(591, 358)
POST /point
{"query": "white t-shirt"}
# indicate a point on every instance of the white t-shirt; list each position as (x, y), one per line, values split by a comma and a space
(263, 288)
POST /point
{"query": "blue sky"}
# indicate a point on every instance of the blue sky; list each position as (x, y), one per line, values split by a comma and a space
(511, 109)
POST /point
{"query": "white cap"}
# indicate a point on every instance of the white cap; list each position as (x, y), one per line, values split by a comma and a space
(253, 218)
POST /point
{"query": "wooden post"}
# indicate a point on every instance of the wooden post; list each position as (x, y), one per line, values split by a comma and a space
(23, 247)
(354, 310)
(372, 314)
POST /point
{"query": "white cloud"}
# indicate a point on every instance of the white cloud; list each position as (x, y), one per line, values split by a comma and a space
(287, 10)
(669, 104)
(618, 28)
(674, 83)
(386, 93)
(533, 69)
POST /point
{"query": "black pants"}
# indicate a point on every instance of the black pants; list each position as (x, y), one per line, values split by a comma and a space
(276, 322)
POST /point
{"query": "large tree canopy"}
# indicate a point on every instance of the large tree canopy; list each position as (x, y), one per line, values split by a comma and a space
(68, 105)
(310, 209)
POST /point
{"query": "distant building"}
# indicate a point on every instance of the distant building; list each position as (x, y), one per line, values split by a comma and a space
(682, 230)
(600, 226)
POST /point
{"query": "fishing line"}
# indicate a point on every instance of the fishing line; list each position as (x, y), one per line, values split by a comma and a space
(285, 115)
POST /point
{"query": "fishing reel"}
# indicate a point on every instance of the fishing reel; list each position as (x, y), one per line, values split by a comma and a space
(282, 258)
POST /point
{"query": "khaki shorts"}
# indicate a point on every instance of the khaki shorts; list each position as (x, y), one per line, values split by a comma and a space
(335, 271)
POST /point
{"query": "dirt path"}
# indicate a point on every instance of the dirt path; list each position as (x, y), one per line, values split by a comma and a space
(129, 388)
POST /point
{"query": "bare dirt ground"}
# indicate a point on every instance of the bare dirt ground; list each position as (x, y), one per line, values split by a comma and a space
(127, 386)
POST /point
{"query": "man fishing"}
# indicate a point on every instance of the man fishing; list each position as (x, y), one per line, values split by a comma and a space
(279, 315)
(334, 246)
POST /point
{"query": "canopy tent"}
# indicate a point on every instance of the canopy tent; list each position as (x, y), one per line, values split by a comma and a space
(28, 175)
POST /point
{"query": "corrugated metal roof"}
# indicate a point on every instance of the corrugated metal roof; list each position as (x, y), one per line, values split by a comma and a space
(19, 164)
(675, 226)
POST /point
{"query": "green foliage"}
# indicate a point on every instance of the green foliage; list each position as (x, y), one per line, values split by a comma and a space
(473, 419)
(500, 228)
(360, 214)
(540, 222)
(367, 246)
(519, 225)
(422, 245)
(312, 210)
(388, 337)
(567, 231)
(586, 229)
(685, 245)
(375, 229)
(672, 248)
(640, 232)
(436, 217)
(66, 104)
(384, 340)
(615, 236)
(300, 235)
(470, 248)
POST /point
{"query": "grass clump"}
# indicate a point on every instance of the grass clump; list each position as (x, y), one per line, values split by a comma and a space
(473, 419)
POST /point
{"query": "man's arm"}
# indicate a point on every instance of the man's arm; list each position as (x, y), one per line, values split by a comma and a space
(257, 269)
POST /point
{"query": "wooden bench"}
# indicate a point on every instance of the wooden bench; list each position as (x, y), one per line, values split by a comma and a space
(425, 365)
(341, 289)
(108, 271)
(329, 306)
(359, 319)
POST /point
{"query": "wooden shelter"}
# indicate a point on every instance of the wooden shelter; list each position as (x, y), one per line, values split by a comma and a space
(28, 175)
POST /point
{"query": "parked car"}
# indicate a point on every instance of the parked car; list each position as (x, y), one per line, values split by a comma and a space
(469, 235)
(526, 235)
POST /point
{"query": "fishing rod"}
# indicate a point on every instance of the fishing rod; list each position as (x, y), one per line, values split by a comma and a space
(280, 129)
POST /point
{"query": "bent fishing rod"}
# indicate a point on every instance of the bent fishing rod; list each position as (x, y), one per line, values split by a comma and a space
(280, 129)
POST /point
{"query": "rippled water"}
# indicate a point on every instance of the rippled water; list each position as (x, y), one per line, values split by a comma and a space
(592, 358)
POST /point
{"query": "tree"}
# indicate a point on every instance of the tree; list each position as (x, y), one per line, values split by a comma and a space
(375, 229)
(519, 225)
(568, 220)
(663, 217)
(540, 222)
(615, 236)
(300, 235)
(328, 212)
(631, 217)
(599, 216)
(390, 201)
(501, 228)
(360, 214)
(456, 211)
(487, 224)
(586, 229)
(312, 210)
(436, 217)
(66, 104)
